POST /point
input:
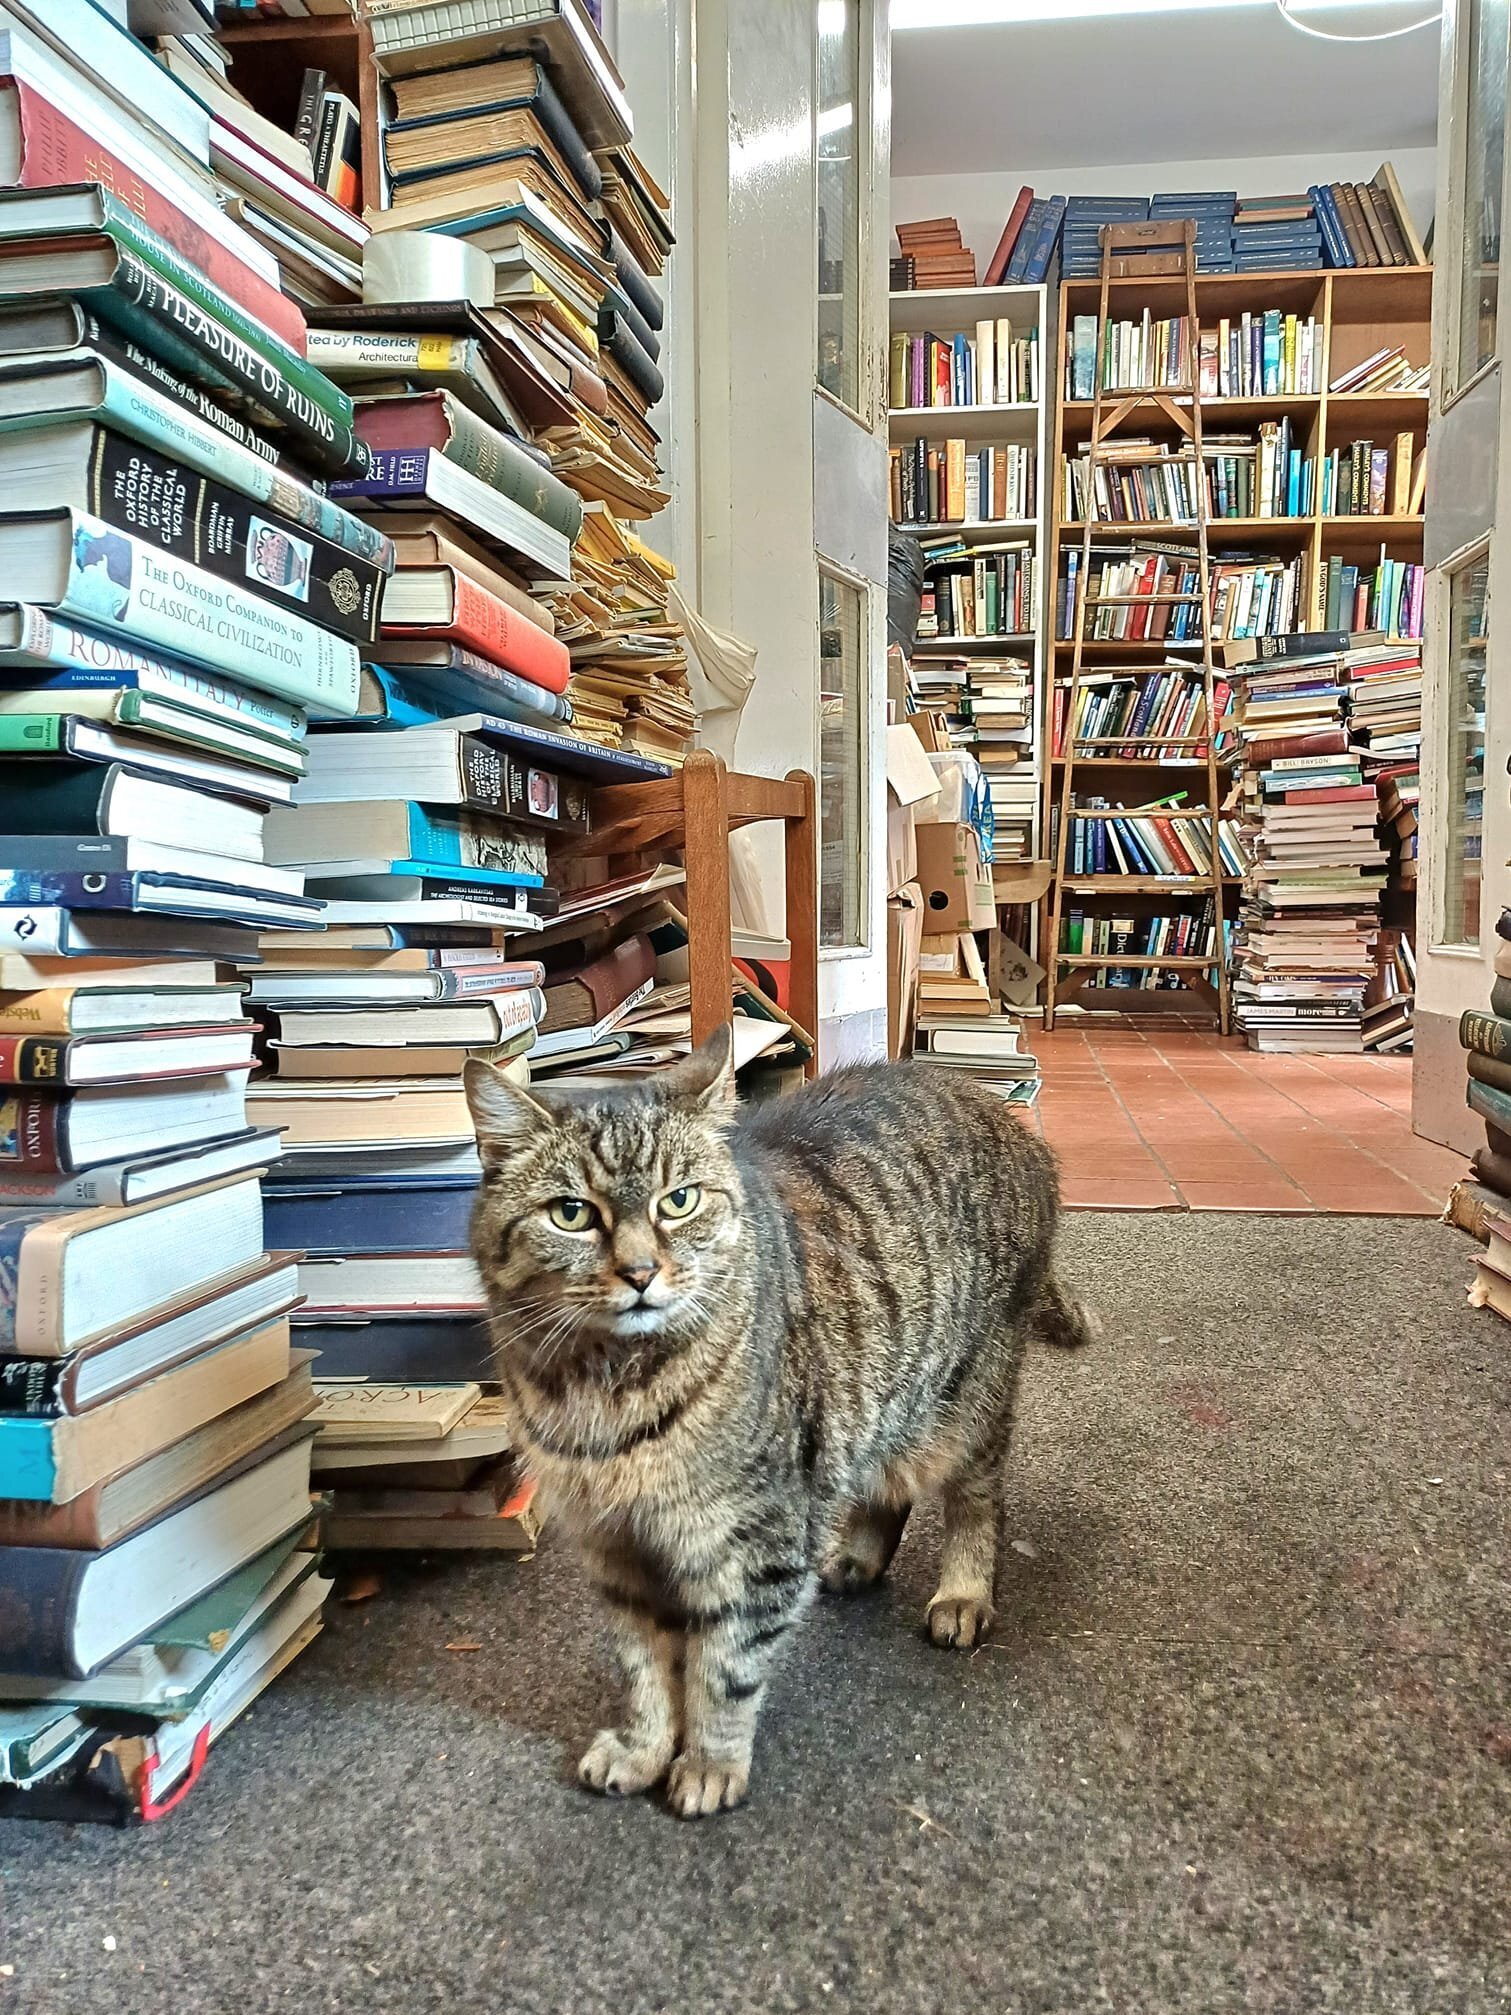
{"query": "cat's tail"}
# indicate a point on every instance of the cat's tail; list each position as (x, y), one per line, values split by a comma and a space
(1062, 1319)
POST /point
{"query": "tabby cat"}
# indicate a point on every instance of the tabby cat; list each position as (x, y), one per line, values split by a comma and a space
(739, 1342)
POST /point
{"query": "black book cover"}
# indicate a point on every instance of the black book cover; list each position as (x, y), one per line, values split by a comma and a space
(171, 507)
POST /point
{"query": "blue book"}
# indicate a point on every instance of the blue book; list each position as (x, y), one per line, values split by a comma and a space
(1044, 245)
(1339, 251)
(369, 1217)
(419, 696)
(115, 888)
(1017, 265)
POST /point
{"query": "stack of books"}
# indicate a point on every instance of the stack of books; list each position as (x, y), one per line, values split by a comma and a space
(1273, 234)
(1387, 369)
(523, 424)
(439, 850)
(1211, 210)
(1311, 901)
(932, 255)
(1081, 231)
(1389, 1005)
(420, 1468)
(1485, 1036)
(296, 190)
(959, 1025)
(177, 589)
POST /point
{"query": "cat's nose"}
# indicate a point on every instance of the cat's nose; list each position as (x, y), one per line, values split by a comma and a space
(639, 1277)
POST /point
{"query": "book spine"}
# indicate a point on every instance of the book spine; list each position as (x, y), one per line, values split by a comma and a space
(55, 151)
(35, 888)
(484, 624)
(450, 840)
(185, 514)
(31, 1388)
(119, 349)
(123, 585)
(439, 421)
(33, 1059)
(1485, 1033)
(79, 659)
(158, 419)
(130, 232)
(104, 1185)
(307, 113)
(496, 781)
(34, 1134)
(417, 694)
(30, 734)
(151, 309)
(41, 1587)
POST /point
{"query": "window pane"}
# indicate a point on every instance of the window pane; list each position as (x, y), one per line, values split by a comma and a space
(1484, 156)
(842, 622)
(1463, 825)
(839, 141)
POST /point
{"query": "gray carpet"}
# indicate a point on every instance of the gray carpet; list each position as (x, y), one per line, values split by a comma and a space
(1242, 1741)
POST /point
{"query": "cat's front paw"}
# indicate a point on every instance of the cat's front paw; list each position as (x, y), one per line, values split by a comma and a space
(958, 1623)
(698, 1786)
(619, 1768)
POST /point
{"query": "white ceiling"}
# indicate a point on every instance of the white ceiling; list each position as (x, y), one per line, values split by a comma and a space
(1156, 87)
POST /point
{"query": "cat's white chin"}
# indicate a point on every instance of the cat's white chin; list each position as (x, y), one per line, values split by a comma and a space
(642, 1320)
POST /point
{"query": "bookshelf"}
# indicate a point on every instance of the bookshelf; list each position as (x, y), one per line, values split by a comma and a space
(1357, 313)
(1022, 424)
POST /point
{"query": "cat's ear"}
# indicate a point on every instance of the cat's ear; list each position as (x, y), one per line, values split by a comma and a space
(707, 1077)
(506, 1118)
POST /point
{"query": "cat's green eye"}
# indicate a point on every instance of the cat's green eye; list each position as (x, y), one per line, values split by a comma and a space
(571, 1213)
(680, 1202)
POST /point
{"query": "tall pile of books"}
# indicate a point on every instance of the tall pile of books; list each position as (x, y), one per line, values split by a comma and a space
(516, 142)
(1311, 901)
(175, 591)
(985, 704)
(1385, 722)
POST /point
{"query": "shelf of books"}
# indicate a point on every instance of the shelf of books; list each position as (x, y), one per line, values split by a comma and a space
(326, 608)
(969, 436)
(1314, 402)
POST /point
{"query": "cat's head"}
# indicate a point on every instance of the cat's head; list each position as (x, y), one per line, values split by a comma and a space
(609, 1215)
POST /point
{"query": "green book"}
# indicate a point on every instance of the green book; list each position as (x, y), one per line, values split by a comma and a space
(31, 734)
(50, 243)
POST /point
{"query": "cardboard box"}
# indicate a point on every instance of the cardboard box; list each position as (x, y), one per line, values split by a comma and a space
(911, 787)
(956, 883)
(904, 937)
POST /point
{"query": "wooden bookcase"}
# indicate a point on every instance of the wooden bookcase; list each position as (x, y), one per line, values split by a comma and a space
(1359, 311)
(946, 312)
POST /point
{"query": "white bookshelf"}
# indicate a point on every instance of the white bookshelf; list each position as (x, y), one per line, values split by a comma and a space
(951, 311)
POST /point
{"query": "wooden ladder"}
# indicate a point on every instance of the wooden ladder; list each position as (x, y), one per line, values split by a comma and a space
(1068, 971)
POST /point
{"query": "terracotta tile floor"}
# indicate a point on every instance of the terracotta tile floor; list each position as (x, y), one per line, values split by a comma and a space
(1175, 1117)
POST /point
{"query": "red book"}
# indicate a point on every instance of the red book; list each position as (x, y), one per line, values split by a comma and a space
(1140, 613)
(1009, 238)
(1335, 794)
(1325, 742)
(1169, 832)
(465, 614)
(51, 150)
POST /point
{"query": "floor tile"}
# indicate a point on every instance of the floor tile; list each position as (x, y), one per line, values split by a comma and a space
(1170, 1116)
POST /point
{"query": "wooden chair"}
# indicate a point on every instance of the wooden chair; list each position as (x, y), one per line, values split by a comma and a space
(696, 810)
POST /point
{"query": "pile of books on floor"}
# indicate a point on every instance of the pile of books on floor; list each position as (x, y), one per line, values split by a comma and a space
(1390, 1002)
(1311, 901)
(1485, 1036)
(175, 591)
(512, 440)
(1385, 727)
(960, 1026)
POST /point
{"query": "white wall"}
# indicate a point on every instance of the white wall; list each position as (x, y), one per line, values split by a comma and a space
(981, 202)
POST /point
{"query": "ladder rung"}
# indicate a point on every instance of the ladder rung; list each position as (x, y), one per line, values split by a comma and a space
(1139, 601)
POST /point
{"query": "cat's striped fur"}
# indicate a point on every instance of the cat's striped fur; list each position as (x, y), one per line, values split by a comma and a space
(729, 1406)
